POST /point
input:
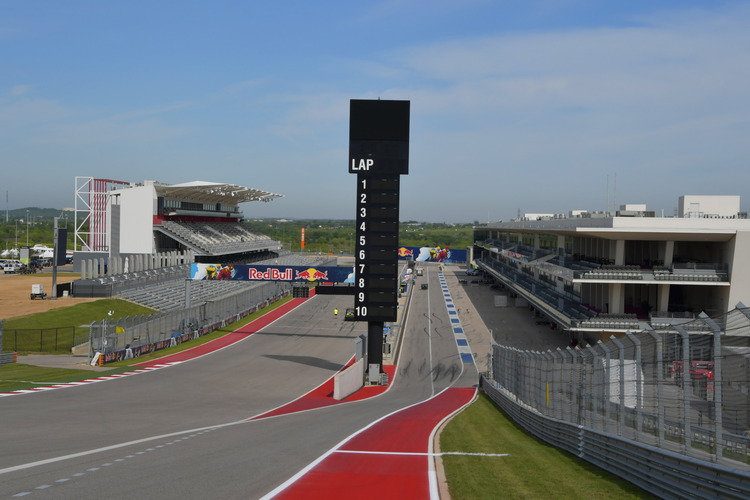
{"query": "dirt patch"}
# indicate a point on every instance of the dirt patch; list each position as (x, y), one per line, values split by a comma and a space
(15, 294)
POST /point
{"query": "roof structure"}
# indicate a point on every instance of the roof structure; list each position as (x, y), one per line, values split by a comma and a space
(214, 192)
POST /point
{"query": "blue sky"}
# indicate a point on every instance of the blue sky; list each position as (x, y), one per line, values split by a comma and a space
(529, 106)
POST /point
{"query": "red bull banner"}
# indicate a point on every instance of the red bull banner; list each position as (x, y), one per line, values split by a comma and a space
(249, 272)
(432, 254)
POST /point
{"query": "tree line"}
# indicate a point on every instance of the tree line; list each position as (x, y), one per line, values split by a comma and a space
(338, 236)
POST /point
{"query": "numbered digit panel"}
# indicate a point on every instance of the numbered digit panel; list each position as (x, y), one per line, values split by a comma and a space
(376, 263)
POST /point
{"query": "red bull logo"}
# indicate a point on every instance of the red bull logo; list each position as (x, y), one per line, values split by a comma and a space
(270, 274)
(311, 274)
(405, 252)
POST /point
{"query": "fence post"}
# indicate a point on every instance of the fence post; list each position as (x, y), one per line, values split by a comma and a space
(594, 399)
(563, 387)
(685, 374)
(575, 385)
(638, 392)
(606, 385)
(719, 431)
(659, 383)
(526, 356)
(587, 382)
(537, 361)
(91, 344)
(548, 386)
(621, 356)
(556, 403)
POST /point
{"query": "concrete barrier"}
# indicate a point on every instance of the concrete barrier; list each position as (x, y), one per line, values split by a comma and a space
(8, 358)
(349, 381)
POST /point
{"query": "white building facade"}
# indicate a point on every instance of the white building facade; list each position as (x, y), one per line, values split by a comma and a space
(611, 274)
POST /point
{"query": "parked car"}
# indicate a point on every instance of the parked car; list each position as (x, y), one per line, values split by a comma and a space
(12, 266)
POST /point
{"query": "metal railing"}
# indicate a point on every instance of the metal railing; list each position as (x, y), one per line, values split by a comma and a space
(117, 339)
(631, 406)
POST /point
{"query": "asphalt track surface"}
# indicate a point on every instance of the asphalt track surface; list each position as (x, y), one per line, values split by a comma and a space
(190, 429)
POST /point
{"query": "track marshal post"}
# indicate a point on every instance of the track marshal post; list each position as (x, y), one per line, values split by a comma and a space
(379, 155)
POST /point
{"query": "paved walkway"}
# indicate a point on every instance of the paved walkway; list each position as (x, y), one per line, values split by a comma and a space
(513, 326)
(60, 361)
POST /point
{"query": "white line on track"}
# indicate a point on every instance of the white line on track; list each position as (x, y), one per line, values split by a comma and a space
(408, 453)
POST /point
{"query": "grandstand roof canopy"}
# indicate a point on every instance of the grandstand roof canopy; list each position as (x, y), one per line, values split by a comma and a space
(214, 192)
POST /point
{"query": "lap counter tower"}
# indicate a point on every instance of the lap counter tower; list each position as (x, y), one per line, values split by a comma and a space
(379, 155)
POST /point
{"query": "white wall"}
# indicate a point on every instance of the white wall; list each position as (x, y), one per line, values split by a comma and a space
(739, 269)
(699, 206)
(137, 210)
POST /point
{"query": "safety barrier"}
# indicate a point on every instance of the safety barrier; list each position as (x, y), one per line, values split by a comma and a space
(666, 409)
(115, 339)
(660, 472)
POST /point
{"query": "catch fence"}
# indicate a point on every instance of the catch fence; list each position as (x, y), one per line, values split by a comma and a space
(116, 339)
(683, 390)
(58, 340)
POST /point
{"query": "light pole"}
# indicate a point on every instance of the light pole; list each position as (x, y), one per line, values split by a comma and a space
(27, 228)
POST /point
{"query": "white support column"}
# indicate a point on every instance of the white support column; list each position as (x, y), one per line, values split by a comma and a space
(619, 252)
(668, 253)
(662, 302)
(616, 298)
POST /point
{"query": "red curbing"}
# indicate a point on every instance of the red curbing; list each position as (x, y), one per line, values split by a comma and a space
(322, 396)
(389, 459)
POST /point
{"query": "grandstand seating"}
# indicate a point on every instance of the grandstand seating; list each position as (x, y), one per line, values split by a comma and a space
(612, 272)
(612, 322)
(690, 273)
(216, 238)
(169, 293)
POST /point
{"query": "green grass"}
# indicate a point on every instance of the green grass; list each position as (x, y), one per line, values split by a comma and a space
(533, 468)
(77, 315)
(20, 376)
(56, 331)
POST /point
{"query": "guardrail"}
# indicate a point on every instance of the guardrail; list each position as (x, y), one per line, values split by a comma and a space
(118, 338)
(658, 471)
(666, 409)
(8, 358)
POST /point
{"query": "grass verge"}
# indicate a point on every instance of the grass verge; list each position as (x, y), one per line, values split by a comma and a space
(79, 314)
(18, 376)
(532, 469)
(58, 330)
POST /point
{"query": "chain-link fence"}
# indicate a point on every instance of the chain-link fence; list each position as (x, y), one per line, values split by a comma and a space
(56, 340)
(676, 389)
(119, 338)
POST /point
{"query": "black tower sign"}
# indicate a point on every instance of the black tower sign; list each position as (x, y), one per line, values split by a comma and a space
(378, 154)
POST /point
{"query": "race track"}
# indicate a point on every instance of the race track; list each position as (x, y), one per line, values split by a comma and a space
(186, 430)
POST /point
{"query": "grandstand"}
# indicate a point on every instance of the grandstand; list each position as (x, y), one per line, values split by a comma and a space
(594, 276)
(201, 219)
(138, 240)
(169, 293)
